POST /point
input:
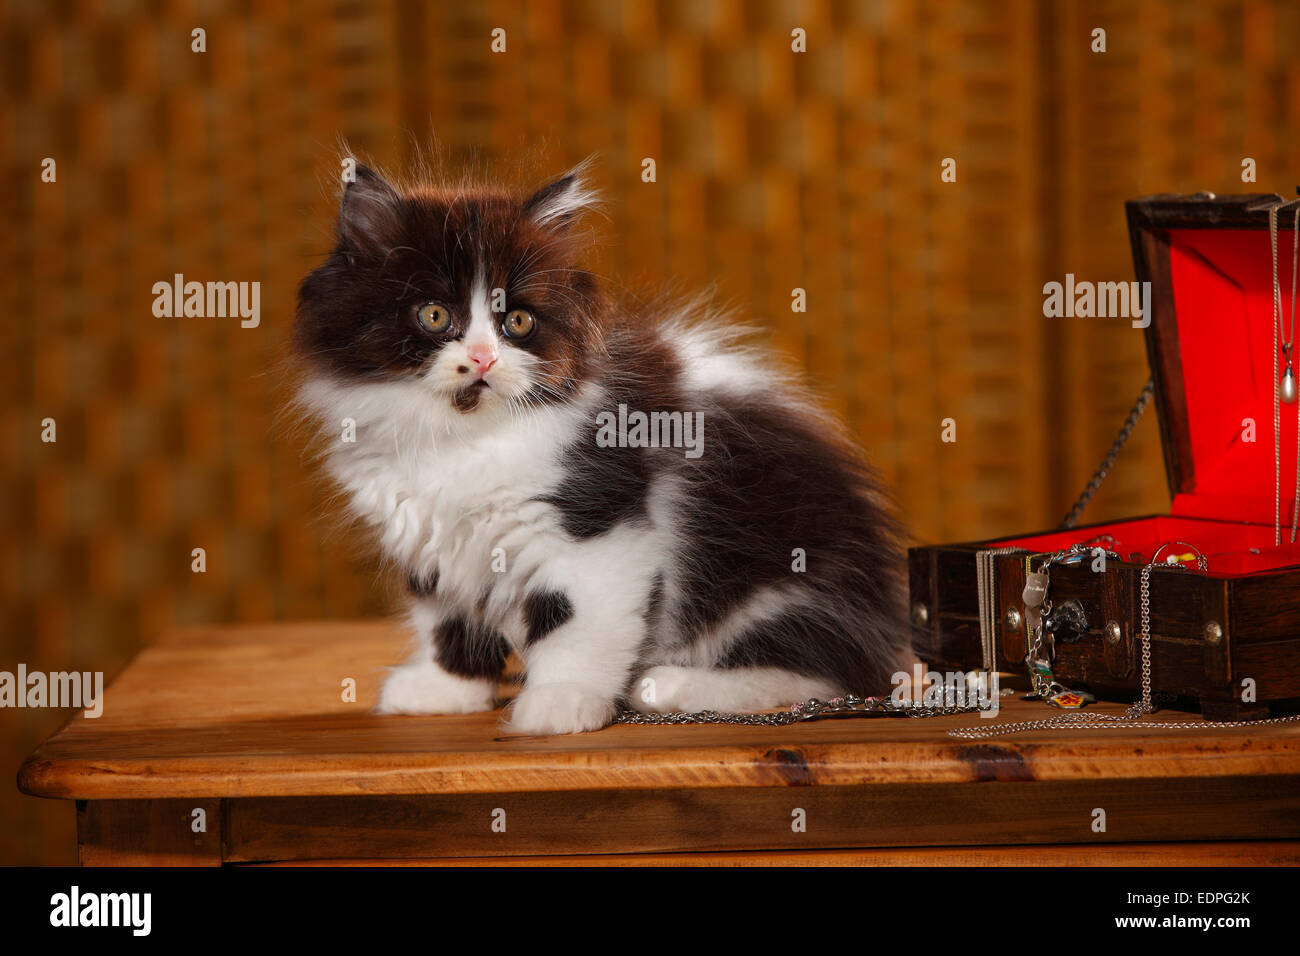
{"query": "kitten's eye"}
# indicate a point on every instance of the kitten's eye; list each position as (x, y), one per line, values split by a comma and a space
(434, 317)
(519, 324)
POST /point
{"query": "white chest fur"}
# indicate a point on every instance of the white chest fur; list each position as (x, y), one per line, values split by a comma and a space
(455, 496)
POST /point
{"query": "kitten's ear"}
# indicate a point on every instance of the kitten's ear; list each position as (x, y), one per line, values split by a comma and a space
(561, 202)
(368, 212)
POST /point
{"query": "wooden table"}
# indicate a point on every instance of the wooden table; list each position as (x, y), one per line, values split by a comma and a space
(250, 727)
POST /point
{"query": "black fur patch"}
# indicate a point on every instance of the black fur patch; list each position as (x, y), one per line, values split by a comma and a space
(766, 485)
(469, 650)
(544, 611)
(796, 643)
(604, 487)
(422, 586)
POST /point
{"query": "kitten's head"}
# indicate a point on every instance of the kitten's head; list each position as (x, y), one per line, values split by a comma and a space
(474, 295)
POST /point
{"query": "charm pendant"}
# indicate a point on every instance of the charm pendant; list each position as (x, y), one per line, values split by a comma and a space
(1035, 591)
(1040, 678)
(1288, 385)
(1071, 699)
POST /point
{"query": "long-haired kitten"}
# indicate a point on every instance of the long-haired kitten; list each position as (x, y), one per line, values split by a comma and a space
(633, 502)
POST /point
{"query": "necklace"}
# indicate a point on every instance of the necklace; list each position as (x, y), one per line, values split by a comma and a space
(1284, 388)
(849, 705)
(986, 585)
(1287, 385)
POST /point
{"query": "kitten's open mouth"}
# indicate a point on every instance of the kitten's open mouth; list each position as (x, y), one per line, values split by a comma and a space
(466, 399)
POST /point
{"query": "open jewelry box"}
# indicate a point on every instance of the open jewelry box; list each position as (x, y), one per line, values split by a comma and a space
(1216, 366)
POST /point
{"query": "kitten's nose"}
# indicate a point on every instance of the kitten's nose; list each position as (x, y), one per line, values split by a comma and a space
(483, 357)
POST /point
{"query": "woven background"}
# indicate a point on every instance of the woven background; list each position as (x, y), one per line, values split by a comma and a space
(776, 170)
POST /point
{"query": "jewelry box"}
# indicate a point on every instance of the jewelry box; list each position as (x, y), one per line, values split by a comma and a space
(1222, 568)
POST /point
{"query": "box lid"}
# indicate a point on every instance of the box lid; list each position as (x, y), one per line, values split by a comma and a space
(1210, 346)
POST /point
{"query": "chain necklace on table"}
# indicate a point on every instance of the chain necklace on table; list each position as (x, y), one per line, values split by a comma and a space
(848, 705)
(1284, 388)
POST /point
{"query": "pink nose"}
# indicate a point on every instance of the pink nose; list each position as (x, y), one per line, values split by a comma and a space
(483, 357)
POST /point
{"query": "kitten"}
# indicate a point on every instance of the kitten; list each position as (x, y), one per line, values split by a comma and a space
(735, 554)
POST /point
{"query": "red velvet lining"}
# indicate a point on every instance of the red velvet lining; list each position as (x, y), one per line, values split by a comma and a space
(1226, 544)
(1223, 297)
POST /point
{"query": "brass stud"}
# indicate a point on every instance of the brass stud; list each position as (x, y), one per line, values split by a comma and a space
(1113, 632)
(1013, 620)
(1214, 632)
(920, 614)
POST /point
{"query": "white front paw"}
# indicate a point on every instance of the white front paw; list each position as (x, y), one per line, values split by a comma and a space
(424, 688)
(559, 709)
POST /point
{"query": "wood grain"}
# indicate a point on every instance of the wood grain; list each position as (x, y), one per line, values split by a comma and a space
(257, 711)
(1002, 809)
(1252, 853)
(149, 833)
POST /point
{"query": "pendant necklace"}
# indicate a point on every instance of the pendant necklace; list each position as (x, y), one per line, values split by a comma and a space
(1284, 388)
(1287, 386)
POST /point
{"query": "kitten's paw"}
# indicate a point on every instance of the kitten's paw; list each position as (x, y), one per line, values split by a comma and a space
(424, 688)
(559, 709)
(666, 689)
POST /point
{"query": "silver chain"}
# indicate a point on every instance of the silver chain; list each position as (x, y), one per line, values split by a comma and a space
(1289, 335)
(1288, 343)
(707, 717)
(1107, 463)
(986, 586)
(814, 709)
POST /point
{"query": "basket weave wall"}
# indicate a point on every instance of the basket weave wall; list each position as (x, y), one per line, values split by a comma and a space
(776, 170)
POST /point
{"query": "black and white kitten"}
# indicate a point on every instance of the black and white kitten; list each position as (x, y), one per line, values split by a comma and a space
(737, 554)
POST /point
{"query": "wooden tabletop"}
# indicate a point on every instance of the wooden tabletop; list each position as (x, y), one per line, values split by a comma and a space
(259, 711)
